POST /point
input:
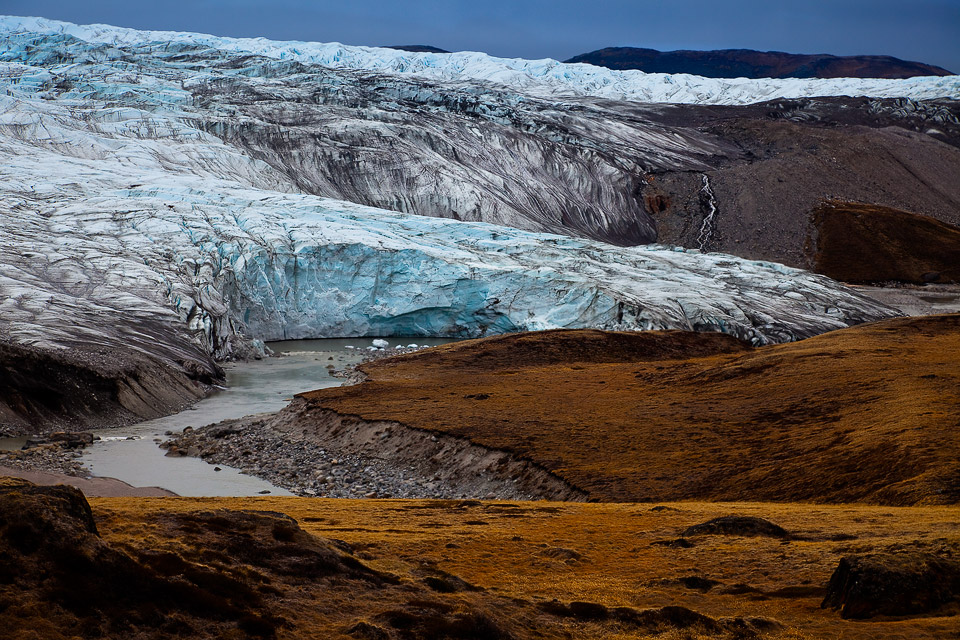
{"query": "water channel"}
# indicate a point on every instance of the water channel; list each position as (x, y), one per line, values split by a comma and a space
(131, 453)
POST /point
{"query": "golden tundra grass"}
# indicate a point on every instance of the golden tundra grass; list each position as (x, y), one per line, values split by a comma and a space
(604, 553)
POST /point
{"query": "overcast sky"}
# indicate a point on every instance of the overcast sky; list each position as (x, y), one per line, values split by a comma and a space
(921, 30)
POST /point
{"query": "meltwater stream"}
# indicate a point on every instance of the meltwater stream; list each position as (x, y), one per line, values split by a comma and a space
(131, 453)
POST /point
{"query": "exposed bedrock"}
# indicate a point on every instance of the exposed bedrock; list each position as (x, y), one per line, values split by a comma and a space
(865, 244)
(893, 584)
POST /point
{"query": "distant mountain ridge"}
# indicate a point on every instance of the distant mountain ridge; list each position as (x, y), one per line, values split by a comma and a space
(747, 63)
(416, 48)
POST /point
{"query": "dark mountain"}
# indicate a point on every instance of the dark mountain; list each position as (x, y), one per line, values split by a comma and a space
(416, 48)
(738, 63)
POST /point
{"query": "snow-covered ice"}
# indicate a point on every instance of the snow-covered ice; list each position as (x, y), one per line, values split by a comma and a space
(544, 77)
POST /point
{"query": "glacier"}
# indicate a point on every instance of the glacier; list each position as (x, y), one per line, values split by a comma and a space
(143, 209)
(454, 148)
(114, 214)
(544, 78)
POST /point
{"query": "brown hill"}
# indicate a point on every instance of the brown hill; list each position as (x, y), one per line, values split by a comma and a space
(747, 63)
(867, 243)
(864, 414)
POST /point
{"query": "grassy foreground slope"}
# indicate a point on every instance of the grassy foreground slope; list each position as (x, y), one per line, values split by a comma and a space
(867, 414)
(307, 568)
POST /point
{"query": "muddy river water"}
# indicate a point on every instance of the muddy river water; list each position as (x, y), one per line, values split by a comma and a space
(131, 453)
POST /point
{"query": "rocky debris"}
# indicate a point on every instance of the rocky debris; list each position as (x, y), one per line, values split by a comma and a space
(352, 375)
(71, 440)
(916, 300)
(148, 371)
(320, 453)
(764, 204)
(736, 526)
(892, 584)
(55, 456)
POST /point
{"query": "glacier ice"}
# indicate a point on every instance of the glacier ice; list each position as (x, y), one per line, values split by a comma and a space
(544, 77)
(116, 215)
(430, 145)
(141, 206)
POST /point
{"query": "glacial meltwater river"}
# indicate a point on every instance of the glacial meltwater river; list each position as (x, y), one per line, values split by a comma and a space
(131, 453)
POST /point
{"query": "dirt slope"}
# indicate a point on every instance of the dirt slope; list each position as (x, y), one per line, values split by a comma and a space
(865, 243)
(867, 414)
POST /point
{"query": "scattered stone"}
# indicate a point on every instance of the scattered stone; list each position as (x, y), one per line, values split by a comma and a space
(72, 440)
(54, 457)
(311, 463)
(679, 543)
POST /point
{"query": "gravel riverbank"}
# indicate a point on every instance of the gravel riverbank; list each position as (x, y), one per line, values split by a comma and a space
(53, 458)
(314, 452)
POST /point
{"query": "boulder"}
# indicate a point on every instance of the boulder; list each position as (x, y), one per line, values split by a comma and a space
(892, 584)
(737, 526)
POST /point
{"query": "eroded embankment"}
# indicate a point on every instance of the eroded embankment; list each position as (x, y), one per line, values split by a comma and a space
(866, 414)
(78, 387)
(318, 452)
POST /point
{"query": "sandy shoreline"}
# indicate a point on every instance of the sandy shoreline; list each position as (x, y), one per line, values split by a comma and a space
(93, 487)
